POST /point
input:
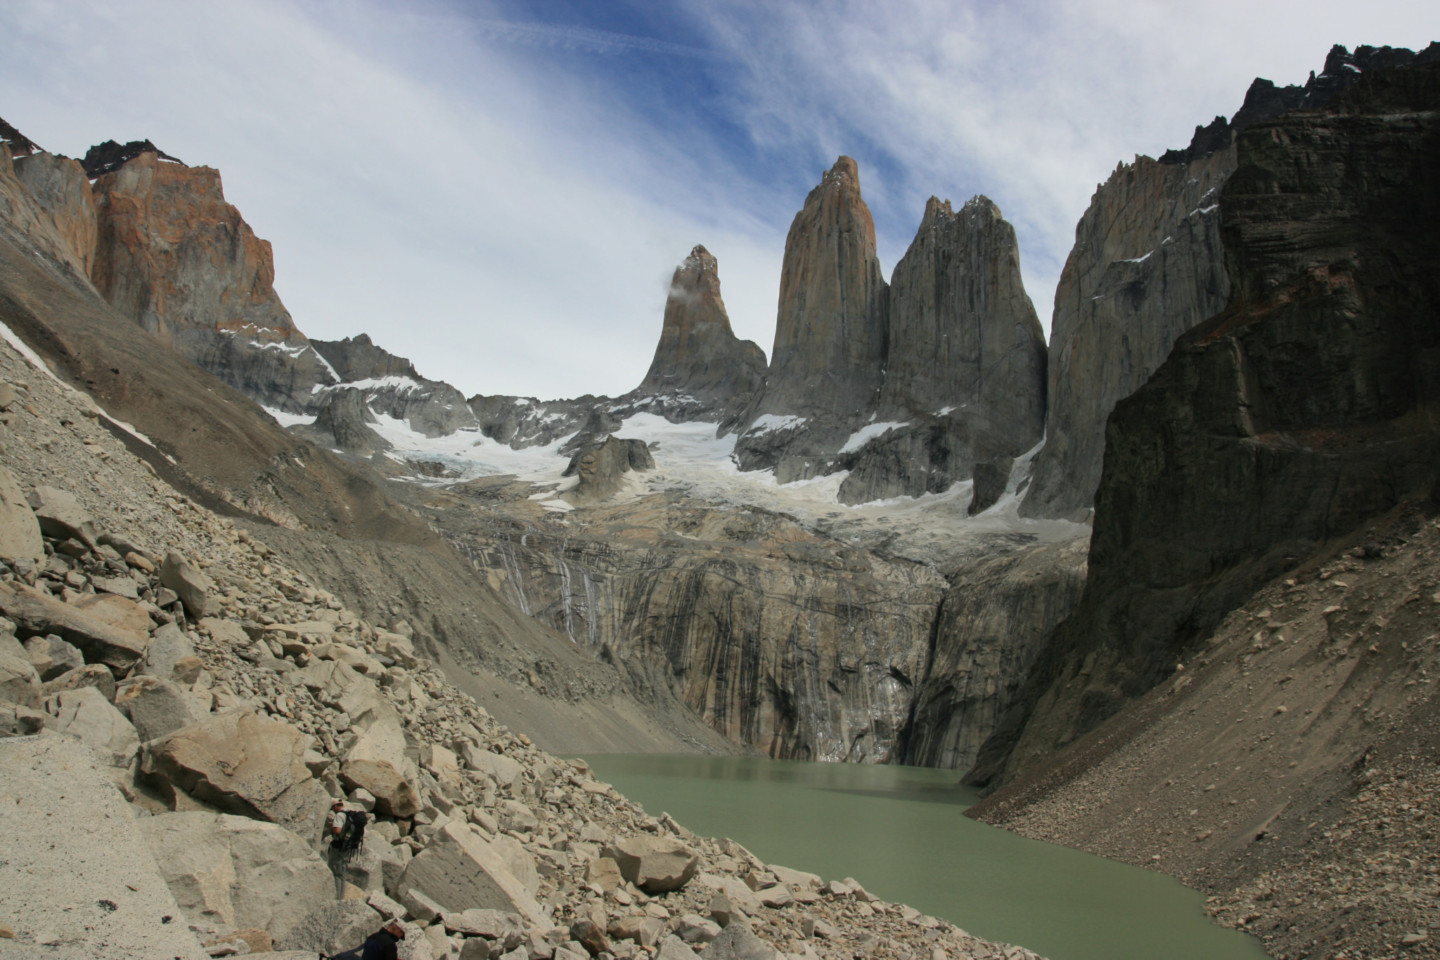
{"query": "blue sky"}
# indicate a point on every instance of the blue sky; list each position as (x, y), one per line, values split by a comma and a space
(500, 189)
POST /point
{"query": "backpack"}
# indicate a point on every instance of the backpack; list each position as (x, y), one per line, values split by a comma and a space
(352, 834)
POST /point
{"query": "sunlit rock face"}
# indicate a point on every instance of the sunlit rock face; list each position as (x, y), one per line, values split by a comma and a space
(177, 259)
(1303, 410)
(830, 335)
(700, 366)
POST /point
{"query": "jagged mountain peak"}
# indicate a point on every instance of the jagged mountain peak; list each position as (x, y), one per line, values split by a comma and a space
(109, 156)
(19, 144)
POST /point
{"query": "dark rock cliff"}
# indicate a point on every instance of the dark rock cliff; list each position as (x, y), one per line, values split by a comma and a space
(1147, 265)
(1307, 407)
(965, 369)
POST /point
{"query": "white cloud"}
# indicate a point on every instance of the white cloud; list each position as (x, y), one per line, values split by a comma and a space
(466, 188)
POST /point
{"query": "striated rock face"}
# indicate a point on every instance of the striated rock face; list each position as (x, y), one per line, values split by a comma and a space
(777, 637)
(1149, 264)
(1306, 408)
(966, 358)
(24, 219)
(993, 625)
(699, 360)
(177, 259)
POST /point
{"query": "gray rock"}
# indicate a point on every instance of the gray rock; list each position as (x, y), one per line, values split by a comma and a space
(190, 584)
(85, 713)
(332, 928)
(52, 656)
(601, 468)
(738, 942)
(655, 864)
(499, 925)
(693, 928)
(19, 682)
(673, 948)
(61, 515)
(991, 477)
(378, 763)
(505, 770)
(242, 872)
(157, 707)
(91, 675)
(36, 613)
(460, 870)
(19, 530)
(75, 842)
(169, 645)
(241, 762)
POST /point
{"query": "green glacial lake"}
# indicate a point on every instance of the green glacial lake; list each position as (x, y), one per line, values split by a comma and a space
(899, 831)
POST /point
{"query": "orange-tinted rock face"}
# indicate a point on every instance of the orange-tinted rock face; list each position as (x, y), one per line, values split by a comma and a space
(173, 255)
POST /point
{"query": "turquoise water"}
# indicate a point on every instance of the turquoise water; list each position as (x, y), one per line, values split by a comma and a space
(900, 832)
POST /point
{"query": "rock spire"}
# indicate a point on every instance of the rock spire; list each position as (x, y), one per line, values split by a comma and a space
(698, 355)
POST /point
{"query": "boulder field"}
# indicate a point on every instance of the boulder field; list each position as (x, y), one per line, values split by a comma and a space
(223, 700)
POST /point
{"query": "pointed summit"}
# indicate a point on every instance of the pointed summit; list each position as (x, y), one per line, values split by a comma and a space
(698, 356)
(830, 331)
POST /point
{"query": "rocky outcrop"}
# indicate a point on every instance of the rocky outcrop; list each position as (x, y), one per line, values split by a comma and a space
(110, 156)
(1147, 265)
(700, 366)
(1304, 409)
(59, 185)
(830, 334)
(965, 361)
(358, 358)
(601, 468)
(177, 259)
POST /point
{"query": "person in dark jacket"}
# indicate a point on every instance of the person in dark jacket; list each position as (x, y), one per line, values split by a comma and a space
(380, 945)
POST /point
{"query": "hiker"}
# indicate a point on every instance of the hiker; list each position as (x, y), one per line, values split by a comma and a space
(347, 828)
(380, 945)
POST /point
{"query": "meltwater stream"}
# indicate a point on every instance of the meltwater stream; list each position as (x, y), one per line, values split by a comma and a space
(899, 831)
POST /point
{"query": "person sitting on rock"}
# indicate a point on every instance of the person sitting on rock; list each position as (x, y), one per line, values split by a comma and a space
(380, 945)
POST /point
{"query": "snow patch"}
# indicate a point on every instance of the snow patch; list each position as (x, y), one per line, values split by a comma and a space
(770, 423)
(289, 419)
(869, 432)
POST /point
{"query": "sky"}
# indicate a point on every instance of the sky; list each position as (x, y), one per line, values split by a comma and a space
(499, 190)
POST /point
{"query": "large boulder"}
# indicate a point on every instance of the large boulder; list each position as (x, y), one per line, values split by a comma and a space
(738, 942)
(157, 707)
(242, 872)
(169, 647)
(38, 614)
(244, 763)
(19, 530)
(19, 683)
(74, 867)
(342, 925)
(85, 713)
(61, 515)
(502, 769)
(654, 864)
(460, 870)
(190, 584)
(378, 762)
